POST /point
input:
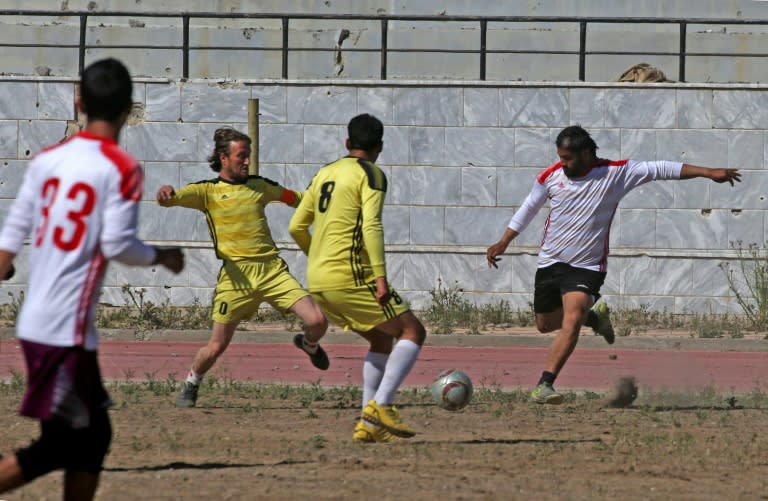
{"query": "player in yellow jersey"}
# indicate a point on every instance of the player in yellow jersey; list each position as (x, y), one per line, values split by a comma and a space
(347, 276)
(252, 270)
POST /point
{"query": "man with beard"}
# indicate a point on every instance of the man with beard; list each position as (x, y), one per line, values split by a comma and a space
(583, 192)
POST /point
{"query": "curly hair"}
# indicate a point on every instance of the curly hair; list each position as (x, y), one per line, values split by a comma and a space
(222, 139)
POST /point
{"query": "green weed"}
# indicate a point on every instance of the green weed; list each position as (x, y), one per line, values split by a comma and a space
(748, 281)
(10, 310)
(317, 441)
(450, 311)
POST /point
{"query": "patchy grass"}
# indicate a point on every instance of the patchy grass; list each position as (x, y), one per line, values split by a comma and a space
(247, 441)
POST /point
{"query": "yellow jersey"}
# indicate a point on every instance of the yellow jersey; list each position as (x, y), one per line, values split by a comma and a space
(235, 214)
(344, 203)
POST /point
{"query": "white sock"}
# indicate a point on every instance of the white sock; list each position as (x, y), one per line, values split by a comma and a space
(373, 370)
(400, 362)
(194, 378)
(310, 348)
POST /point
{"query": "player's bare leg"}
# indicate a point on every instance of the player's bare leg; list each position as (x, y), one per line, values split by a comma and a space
(11, 476)
(204, 360)
(80, 485)
(573, 314)
(206, 356)
(575, 307)
(315, 325)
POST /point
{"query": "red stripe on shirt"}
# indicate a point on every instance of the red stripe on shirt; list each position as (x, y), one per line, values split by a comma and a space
(95, 269)
(612, 163)
(542, 177)
(131, 175)
(606, 245)
(546, 229)
(604, 162)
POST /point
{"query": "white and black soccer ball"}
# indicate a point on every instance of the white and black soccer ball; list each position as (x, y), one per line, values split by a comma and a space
(452, 390)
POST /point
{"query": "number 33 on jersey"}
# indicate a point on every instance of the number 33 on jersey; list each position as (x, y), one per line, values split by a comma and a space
(78, 203)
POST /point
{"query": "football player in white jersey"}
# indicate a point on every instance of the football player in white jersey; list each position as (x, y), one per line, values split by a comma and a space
(78, 204)
(583, 192)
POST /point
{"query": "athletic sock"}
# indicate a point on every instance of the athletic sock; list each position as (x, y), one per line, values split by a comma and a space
(547, 378)
(310, 348)
(400, 362)
(592, 319)
(373, 370)
(194, 378)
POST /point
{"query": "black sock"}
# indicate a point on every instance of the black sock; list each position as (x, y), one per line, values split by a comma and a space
(547, 378)
(591, 320)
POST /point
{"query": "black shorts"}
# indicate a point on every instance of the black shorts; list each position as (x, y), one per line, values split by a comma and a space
(62, 447)
(555, 280)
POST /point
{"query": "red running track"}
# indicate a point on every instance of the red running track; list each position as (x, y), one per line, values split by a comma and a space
(490, 367)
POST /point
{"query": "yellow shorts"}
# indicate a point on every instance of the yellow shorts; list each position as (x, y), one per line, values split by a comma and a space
(356, 308)
(243, 286)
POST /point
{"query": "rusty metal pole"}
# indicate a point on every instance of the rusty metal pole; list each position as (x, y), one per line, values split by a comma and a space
(253, 133)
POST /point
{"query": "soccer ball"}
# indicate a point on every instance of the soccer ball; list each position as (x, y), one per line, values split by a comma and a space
(452, 390)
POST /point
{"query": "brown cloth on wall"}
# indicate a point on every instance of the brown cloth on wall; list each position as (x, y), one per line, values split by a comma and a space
(642, 72)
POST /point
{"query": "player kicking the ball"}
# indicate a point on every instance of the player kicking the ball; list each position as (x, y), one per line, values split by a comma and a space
(346, 274)
(584, 192)
(252, 270)
(79, 200)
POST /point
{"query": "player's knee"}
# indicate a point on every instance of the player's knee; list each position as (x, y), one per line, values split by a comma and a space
(316, 321)
(216, 349)
(415, 331)
(572, 322)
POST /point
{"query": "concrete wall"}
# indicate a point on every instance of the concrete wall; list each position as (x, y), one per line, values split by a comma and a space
(251, 36)
(743, 9)
(460, 159)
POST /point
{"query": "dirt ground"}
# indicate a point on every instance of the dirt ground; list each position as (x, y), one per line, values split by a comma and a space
(276, 442)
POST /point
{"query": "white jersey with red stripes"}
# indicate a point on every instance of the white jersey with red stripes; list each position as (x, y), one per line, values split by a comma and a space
(582, 208)
(77, 199)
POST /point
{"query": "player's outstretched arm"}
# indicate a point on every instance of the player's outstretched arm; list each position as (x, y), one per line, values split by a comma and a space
(717, 175)
(497, 249)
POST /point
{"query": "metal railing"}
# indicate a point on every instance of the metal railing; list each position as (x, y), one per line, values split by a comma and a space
(384, 50)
